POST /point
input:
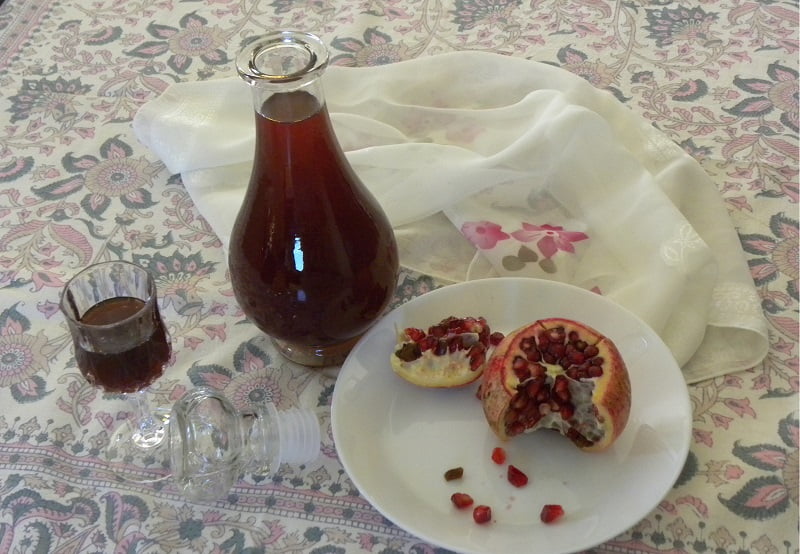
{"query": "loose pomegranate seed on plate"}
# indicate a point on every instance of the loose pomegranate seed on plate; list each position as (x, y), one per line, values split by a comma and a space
(499, 456)
(482, 514)
(516, 477)
(461, 500)
(454, 473)
(551, 513)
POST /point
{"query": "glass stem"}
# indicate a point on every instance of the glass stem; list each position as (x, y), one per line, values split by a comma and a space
(148, 429)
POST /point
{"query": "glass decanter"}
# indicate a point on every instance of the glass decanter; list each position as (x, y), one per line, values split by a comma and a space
(312, 258)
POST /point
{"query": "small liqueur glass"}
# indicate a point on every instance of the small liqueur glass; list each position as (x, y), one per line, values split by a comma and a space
(122, 346)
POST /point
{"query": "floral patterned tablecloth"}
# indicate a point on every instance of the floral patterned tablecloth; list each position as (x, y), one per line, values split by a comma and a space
(719, 77)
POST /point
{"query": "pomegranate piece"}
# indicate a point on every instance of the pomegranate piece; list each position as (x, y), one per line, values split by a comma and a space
(516, 477)
(557, 374)
(461, 500)
(551, 513)
(482, 514)
(450, 353)
(499, 456)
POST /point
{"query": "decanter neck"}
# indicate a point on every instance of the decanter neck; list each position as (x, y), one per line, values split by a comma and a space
(284, 69)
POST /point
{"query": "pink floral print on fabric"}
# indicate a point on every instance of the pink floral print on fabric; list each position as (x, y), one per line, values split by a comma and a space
(549, 238)
(484, 234)
(548, 241)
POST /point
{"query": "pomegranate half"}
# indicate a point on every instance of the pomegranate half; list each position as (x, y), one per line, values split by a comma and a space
(451, 353)
(557, 374)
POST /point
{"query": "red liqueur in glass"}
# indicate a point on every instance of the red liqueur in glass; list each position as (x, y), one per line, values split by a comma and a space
(133, 368)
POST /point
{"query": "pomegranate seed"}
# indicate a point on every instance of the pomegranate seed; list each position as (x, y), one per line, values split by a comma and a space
(522, 373)
(428, 343)
(519, 402)
(477, 356)
(496, 338)
(482, 514)
(476, 362)
(551, 513)
(533, 388)
(515, 428)
(455, 473)
(517, 477)
(455, 343)
(415, 334)
(469, 324)
(499, 456)
(409, 352)
(461, 500)
(455, 323)
(533, 355)
(576, 358)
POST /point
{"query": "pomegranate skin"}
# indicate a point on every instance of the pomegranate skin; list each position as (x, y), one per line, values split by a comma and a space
(592, 404)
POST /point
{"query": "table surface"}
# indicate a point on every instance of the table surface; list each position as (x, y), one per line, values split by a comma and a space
(719, 77)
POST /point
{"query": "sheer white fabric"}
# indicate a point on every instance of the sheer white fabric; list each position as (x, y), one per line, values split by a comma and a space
(490, 165)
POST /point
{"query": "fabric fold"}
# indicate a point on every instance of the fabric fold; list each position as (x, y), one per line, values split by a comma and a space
(524, 170)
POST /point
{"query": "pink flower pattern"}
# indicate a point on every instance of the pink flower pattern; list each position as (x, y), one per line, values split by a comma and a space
(483, 234)
(549, 238)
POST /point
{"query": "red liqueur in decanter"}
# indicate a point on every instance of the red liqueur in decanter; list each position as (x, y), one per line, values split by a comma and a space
(313, 259)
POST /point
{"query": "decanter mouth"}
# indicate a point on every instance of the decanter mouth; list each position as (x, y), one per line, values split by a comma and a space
(282, 57)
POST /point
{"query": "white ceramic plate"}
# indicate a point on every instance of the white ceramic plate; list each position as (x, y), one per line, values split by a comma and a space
(396, 440)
